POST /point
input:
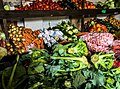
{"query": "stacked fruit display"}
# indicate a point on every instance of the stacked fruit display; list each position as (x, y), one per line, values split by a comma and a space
(89, 5)
(95, 25)
(53, 5)
(58, 5)
(77, 4)
(98, 28)
(100, 25)
(113, 21)
(115, 24)
(42, 5)
(15, 35)
(109, 24)
(10, 49)
(24, 38)
(108, 4)
(62, 5)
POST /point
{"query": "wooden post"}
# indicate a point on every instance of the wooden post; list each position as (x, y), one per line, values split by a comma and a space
(5, 28)
(1, 5)
(82, 19)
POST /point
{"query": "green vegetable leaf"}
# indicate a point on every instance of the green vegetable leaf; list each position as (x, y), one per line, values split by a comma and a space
(88, 86)
(53, 70)
(35, 67)
(78, 79)
(39, 68)
(61, 51)
(118, 85)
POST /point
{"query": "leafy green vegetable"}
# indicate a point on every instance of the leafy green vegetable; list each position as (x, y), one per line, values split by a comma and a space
(16, 76)
(61, 50)
(105, 60)
(35, 68)
(69, 61)
(40, 55)
(78, 79)
(79, 49)
(94, 78)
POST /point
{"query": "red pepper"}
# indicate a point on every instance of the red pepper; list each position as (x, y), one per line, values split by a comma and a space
(116, 63)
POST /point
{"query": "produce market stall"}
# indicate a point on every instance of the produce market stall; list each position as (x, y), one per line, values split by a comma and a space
(62, 56)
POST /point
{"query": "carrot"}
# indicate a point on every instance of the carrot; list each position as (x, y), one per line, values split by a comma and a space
(25, 43)
(35, 44)
(38, 46)
(35, 40)
(29, 37)
(42, 45)
(28, 40)
(23, 33)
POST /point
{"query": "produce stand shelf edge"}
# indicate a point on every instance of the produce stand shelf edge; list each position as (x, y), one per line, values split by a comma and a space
(51, 13)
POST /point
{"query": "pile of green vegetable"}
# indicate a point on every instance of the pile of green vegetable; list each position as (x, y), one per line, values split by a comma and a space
(71, 65)
(66, 66)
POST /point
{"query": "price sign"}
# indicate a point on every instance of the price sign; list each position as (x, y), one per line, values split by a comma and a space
(103, 11)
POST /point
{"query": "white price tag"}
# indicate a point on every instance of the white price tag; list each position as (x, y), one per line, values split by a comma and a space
(11, 0)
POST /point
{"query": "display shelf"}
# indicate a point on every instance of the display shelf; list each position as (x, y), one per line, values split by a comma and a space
(50, 13)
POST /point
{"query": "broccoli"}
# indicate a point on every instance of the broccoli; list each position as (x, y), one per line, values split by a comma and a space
(98, 59)
(79, 50)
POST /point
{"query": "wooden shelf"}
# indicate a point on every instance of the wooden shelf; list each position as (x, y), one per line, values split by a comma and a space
(50, 13)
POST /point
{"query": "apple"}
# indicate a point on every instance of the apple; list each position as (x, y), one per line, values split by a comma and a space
(92, 22)
(7, 7)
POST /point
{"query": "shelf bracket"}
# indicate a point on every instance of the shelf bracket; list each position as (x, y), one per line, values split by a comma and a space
(5, 28)
(1, 5)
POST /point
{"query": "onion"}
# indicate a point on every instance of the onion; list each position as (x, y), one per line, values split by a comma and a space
(11, 49)
(18, 39)
(10, 35)
(19, 32)
(12, 26)
(17, 46)
(8, 44)
(22, 50)
(20, 35)
(14, 32)
(17, 35)
(14, 39)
